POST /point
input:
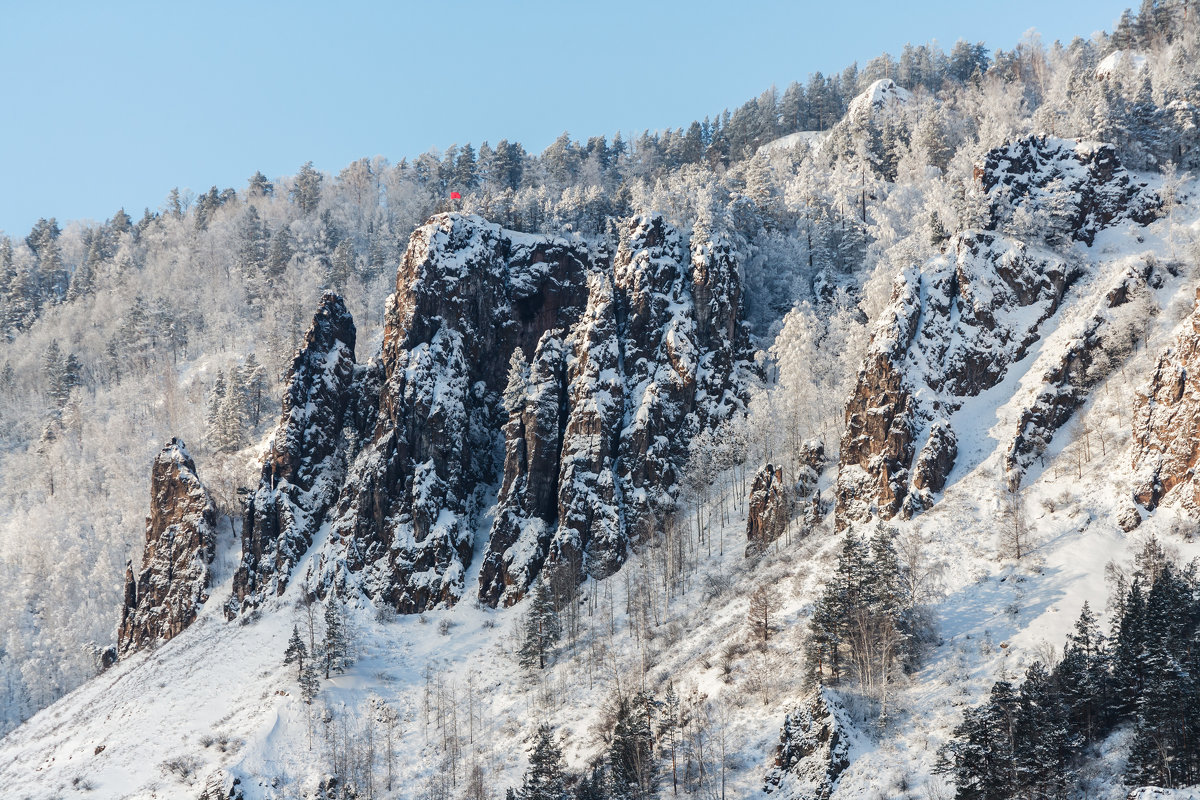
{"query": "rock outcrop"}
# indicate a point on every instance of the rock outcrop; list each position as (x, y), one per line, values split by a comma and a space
(625, 352)
(573, 375)
(165, 595)
(305, 460)
(956, 323)
(1166, 424)
(1091, 347)
(770, 508)
(1079, 188)
(953, 328)
(813, 751)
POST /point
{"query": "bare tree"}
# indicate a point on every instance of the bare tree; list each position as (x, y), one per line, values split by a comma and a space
(1016, 535)
(764, 601)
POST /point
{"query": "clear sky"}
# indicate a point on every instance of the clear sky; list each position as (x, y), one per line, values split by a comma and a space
(111, 104)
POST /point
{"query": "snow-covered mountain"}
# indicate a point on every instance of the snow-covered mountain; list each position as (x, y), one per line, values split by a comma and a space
(863, 469)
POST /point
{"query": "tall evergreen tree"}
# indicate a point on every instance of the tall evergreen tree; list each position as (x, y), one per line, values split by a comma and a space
(546, 777)
(296, 652)
(306, 191)
(631, 760)
(335, 650)
(542, 627)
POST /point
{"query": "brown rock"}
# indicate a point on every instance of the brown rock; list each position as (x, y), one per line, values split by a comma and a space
(165, 595)
(770, 509)
(1166, 423)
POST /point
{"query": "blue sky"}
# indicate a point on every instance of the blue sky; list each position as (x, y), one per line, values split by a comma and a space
(111, 104)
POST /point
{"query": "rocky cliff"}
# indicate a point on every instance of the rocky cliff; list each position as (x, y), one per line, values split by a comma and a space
(305, 460)
(813, 751)
(770, 508)
(1166, 424)
(572, 375)
(1070, 189)
(163, 597)
(958, 322)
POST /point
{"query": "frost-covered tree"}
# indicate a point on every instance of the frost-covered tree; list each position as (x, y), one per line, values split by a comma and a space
(335, 647)
(296, 653)
(542, 628)
(546, 777)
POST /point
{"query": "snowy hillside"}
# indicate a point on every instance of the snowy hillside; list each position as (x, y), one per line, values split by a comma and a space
(843, 447)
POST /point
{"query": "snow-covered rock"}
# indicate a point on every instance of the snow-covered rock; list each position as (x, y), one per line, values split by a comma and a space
(631, 355)
(813, 752)
(770, 509)
(1121, 62)
(881, 96)
(304, 464)
(1076, 188)
(953, 328)
(166, 593)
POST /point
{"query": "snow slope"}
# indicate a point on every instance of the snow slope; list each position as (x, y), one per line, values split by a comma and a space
(217, 704)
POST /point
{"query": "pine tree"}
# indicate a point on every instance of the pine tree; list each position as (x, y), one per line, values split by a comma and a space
(53, 371)
(310, 682)
(306, 192)
(72, 376)
(280, 254)
(1082, 676)
(545, 779)
(259, 186)
(296, 653)
(542, 628)
(254, 387)
(631, 754)
(1042, 745)
(253, 240)
(335, 650)
(518, 383)
(213, 432)
(231, 422)
(1128, 654)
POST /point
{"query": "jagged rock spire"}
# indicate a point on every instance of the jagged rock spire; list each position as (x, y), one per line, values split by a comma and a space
(164, 596)
(305, 461)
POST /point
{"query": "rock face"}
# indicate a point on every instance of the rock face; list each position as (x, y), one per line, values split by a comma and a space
(623, 357)
(1078, 366)
(1080, 187)
(956, 324)
(305, 461)
(813, 751)
(165, 595)
(953, 328)
(1166, 424)
(769, 509)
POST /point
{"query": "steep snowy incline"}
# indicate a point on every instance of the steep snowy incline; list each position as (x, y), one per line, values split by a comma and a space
(958, 322)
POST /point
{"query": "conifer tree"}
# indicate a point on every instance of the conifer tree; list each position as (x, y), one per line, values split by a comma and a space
(296, 652)
(306, 191)
(542, 628)
(335, 650)
(310, 682)
(280, 254)
(631, 753)
(254, 387)
(545, 779)
(213, 432)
